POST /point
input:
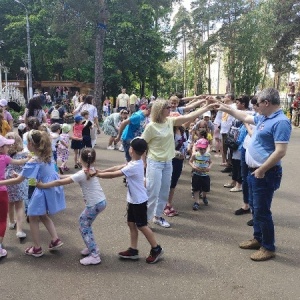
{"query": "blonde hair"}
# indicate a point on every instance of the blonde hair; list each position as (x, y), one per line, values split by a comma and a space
(157, 110)
(41, 144)
(17, 146)
(174, 99)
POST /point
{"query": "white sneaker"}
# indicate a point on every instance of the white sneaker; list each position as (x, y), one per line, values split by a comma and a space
(12, 225)
(86, 251)
(21, 234)
(90, 260)
(121, 148)
(161, 222)
(3, 252)
(111, 147)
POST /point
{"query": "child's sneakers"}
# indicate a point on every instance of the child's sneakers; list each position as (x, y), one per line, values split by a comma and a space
(130, 254)
(155, 254)
(12, 225)
(196, 206)
(92, 259)
(205, 201)
(55, 245)
(3, 252)
(21, 235)
(86, 251)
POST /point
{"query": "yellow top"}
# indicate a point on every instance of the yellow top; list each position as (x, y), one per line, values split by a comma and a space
(160, 139)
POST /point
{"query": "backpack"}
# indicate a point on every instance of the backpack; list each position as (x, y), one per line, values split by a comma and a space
(55, 113)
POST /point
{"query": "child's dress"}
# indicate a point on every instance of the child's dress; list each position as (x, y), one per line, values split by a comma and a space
(62, 151)
(17, 192)
(44, 201)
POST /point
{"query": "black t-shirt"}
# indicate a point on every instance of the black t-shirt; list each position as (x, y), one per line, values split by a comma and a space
(86, 128)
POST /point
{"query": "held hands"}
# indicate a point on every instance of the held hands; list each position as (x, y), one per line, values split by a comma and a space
(40, 185)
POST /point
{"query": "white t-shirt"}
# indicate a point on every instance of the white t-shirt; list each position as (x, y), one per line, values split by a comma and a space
(134, 172)
(91, 189)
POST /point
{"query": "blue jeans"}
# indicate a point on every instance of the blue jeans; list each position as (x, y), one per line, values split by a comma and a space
(261, 191)
(126, 146)
(158, 181)
(244, 173)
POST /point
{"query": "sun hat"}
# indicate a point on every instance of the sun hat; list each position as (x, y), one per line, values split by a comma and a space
(202, 144)
(3, 102)
(4, 141)
(65, 128)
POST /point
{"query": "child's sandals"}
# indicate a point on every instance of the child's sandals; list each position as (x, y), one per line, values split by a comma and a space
(36, 252)
(55, 245)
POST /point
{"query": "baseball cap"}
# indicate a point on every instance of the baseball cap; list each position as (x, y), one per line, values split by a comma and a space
(139, 145)
(22, 126)
(143, 107)
(65, 128)
(207, 114)
(3, 102)
(202, 143)
(4, 141)
(77, 118)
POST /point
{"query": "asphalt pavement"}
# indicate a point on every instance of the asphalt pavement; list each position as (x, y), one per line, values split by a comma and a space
(202, 259)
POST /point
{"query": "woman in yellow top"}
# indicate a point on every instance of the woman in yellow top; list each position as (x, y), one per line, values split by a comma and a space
(4, 126)
(159, 135)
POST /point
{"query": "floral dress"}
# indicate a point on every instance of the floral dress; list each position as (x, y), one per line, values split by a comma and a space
(62, 151)
(17, 192)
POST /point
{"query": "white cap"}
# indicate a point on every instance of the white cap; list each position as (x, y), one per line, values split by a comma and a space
(207, 114)
(22, 126)
(3, 102)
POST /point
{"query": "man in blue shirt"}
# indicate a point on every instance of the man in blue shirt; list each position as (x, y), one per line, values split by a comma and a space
(131, 128)
(267, 147)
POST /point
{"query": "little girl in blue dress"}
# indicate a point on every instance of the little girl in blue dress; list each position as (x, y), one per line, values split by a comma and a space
(43, 202)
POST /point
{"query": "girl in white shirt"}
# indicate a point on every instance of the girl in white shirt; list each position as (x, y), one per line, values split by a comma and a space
(95, 202)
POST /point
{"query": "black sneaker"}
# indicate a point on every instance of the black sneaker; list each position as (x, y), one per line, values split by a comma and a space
(155, 255)
(196, 206)
(250, 222)
(226, 170)
(205, 201)
(130, 254)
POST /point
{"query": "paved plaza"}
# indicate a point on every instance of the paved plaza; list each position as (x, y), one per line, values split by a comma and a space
(202, 259)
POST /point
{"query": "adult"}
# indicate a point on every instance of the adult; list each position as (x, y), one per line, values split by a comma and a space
(122, 100)
(35, 109)
(161, 150)
(268, 145)
(57, 112)
(226, 122)
(132, 102)
(181, 144)
(48, 99)
(93, 116)
(75, 100)
(6, 114)
(131, 128)
(111, 126)
(242, 103)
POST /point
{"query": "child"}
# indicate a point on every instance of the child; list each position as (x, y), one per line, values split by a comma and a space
(4, 126)
(62, 151)
(41, 167)
(94, 199)
(5, 160)
(55, 140)
(86, 130)
(137, 201)
(201, 164)
(76, 143)
(19, 193)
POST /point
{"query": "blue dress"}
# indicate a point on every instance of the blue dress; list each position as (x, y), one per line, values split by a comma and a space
(44, 201)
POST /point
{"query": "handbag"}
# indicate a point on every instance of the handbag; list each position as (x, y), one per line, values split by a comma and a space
(231, 142)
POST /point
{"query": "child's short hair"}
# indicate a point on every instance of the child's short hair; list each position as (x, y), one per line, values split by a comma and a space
(84, 113)
(18, 144)
(33, 123)
(139, 145)
(54, 127)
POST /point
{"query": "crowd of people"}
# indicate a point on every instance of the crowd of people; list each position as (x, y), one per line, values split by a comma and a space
(250, 134)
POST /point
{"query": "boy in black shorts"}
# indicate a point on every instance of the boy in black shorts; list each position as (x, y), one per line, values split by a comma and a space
(137, 201)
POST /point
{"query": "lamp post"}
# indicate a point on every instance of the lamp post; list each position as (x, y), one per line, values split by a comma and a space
(29, 52)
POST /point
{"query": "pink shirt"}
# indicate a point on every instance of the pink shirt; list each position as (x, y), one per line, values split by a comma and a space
(7, 116)
(4, 161)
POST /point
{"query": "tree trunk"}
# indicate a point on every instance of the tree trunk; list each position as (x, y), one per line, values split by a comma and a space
(100, 35)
